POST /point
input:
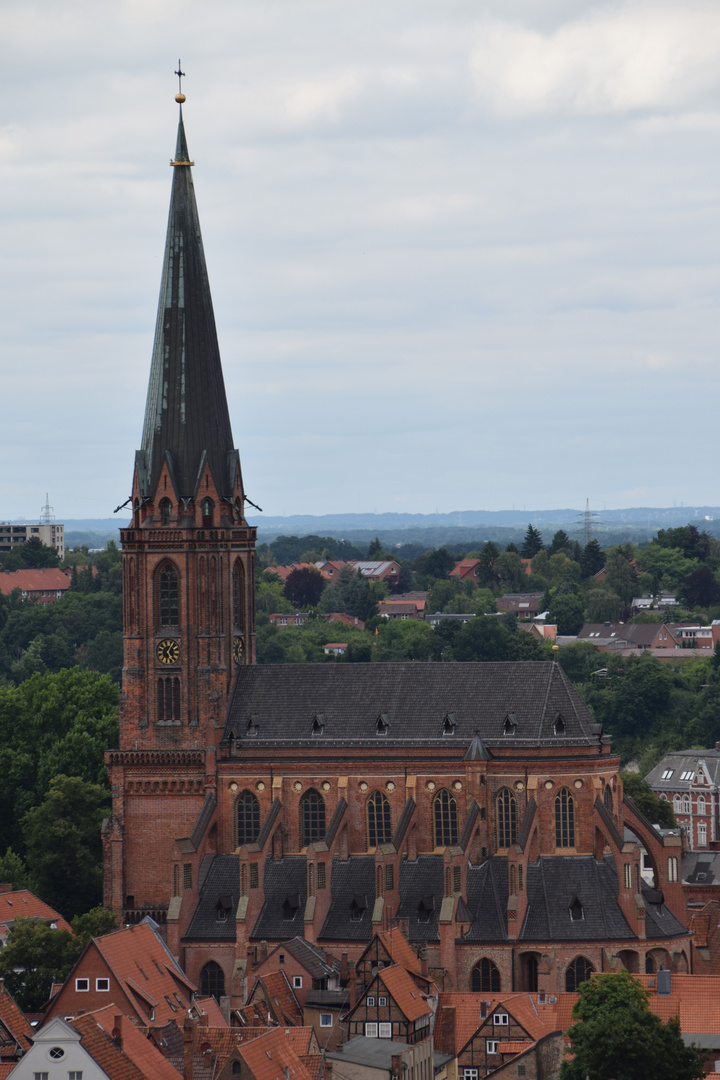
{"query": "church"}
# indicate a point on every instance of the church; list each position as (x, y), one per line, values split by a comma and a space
(476, 807)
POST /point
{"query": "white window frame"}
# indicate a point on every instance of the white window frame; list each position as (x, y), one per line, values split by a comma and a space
(667, 774)
(382, 1000)
(82, 986)
(385, 1030)
(297, 982)
(102, 985)
(702, 834)
(370, 1001)
(501, 1019)
(326, 1020)
(470, 1074)
(371, 1031)
(491, 1046)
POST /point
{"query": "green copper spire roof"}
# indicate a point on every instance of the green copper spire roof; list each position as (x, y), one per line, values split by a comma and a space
(186, 414)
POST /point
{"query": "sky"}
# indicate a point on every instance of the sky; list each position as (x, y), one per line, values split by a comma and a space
(463, 255)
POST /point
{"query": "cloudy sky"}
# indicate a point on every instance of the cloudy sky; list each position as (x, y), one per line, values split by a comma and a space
(464, 253)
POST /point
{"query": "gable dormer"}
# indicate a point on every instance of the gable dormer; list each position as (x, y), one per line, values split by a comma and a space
(449, 724)
(510, 725)
(318, 724)
(382, 725)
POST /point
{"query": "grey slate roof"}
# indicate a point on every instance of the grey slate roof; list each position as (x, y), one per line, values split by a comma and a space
(553, 882)
(186, 414)
(659, 920)
(701, 868)
(220, 888)
(283, 699)
(487, 896)
(682, 761)
(284, 878)
(311, 957)
(421, 879)
(352, 879)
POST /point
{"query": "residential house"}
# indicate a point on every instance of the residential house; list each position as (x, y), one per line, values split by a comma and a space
(404, 606)
(690, 780)
(391, 1006)
(22, 904)
(50, 533)
(367, 1058)
(271, 1057)
(131, 969)
(466, 569)
(335, 648)
(273, 992)
(43, 586)
(524, 605)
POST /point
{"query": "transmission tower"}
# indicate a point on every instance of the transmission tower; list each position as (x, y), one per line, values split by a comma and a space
(587, 521)
(47, 514)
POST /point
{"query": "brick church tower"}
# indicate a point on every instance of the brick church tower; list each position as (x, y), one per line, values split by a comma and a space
(188, 554)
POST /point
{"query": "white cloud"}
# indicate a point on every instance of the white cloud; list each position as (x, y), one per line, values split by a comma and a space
(627, 57)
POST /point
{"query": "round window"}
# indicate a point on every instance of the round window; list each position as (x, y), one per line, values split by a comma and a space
(57, 1052)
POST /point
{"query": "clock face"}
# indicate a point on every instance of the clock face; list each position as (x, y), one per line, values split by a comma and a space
(168, 651)
(237, 650)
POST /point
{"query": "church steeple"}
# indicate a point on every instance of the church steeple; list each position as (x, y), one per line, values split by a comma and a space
(187, 421)
(189, 554)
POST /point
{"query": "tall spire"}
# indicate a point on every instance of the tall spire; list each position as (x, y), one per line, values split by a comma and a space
(186, 414)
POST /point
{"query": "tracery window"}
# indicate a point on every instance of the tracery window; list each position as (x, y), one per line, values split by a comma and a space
(485, 977)
(247, 816)
(312, 817)
(607, 799)
(445, 819)
(168, 587)
(207, 507)
(165, 511)
(378, 820)
(212, 981)
(564, 819)
(506, 816)
(580, 970)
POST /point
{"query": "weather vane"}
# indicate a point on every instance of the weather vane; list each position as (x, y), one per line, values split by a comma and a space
(180, 74)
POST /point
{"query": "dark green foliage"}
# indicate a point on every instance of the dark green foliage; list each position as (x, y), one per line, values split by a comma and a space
(303, 587)
(285, 550)
(32, 555)
(94, 923)
(616, 1037)
(50, 724)
(657, 811)
(700, 588)
(35, 958)
(63, 844)
(532, 543)
(578, 661)
(561, 542)
(568, 611)
(434, 564)
(592, 559)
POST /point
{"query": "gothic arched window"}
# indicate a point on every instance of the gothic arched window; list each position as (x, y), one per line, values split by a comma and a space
(212, 981)
(168, 700)
(238, 593)
(247, 816)
(168, 595)
(485, 977)
(564, 819)
(378, 820)
(607, 799)
(312, 817)
(445, 819)
(580, 970)
(506, 814)
(165, 511)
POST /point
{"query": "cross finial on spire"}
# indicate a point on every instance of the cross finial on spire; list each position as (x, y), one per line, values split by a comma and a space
(181, 75)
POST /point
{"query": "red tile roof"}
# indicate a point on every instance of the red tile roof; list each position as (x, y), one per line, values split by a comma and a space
(268, 1058)
(49, 580)
(277, 992)
(210, 1007)
(14, 1020)
(109, 1057)
(402, 989)
(515, 1046)
(22, 904)
(399, 949)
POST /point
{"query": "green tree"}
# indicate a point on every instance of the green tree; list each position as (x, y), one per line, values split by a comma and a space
(657, 811)
(94, 923)
(616, 1037)
(579, 660)
(603, 605)
(532, 543)
(592, 559)
(64, 850)
(621, 575)
(510, 571)
(34, 555)
(561, 542)
(14, 871)
(568, 611)
(304, 587)
(34, 958)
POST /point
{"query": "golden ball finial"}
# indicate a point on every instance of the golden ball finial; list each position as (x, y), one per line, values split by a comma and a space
(180, 98)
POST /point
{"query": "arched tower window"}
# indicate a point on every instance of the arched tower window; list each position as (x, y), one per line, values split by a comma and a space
(168, 700)
(506, 815)
(580, 970)
(207, 509)
(312, 817)
(247, 816)
(168, 595)
(212, 981)
(607, 799)
(378, 820)
(238, 592)
(445, 819)
(165, 511)
(564, 819)
(485, 977)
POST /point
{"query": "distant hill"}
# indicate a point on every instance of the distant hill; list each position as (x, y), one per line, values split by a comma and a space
(461, 527)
